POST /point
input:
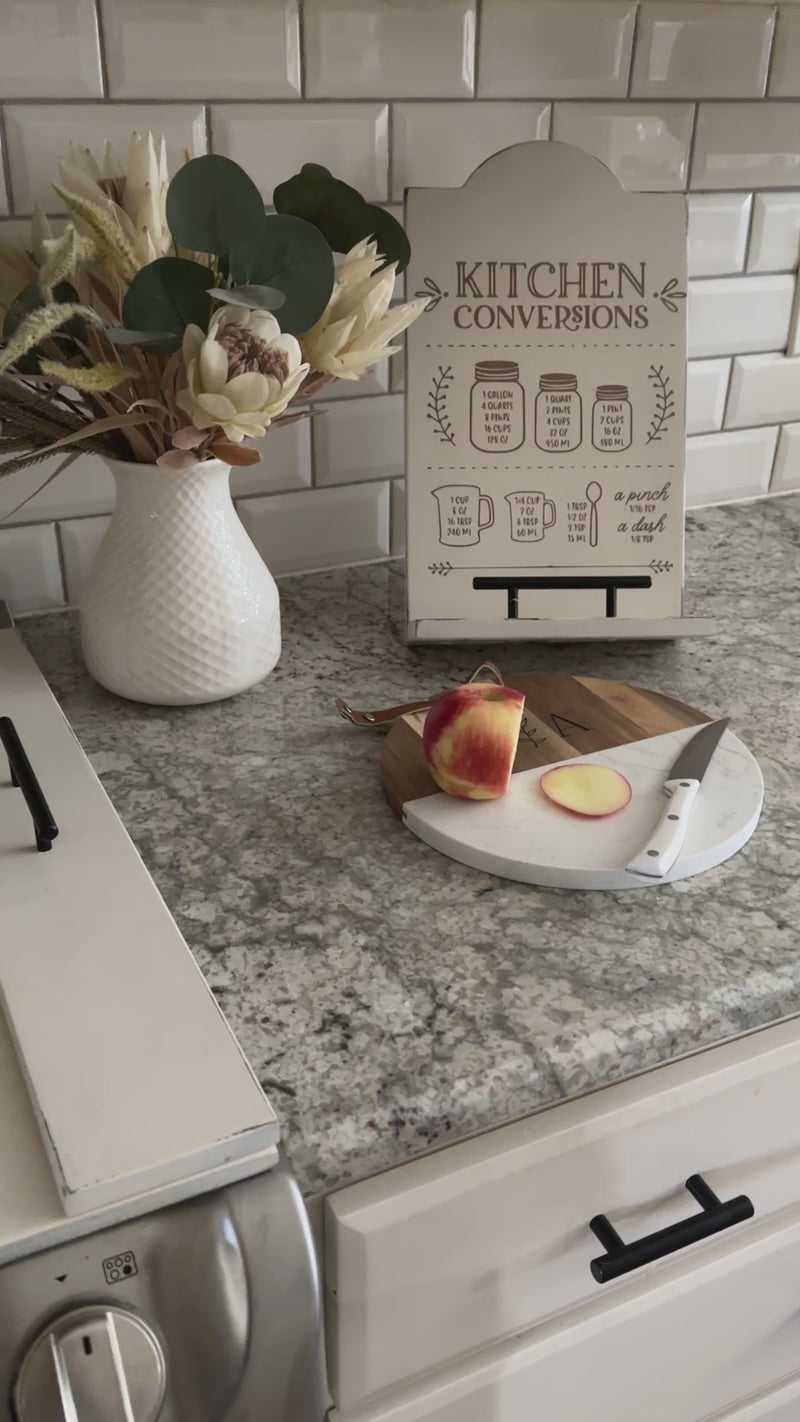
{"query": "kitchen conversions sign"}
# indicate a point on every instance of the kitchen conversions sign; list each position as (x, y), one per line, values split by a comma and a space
(545, 405)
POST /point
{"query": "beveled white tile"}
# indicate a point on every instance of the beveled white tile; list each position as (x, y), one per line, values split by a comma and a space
(645, 145)
(285, 462)
(85, 487)
(747, 146)
(784, 81)
(323, 528)
(40, 134)
(718, 226)
(444, 143)
(244, 49)
(739, 315)
(775, 238)
(273, 141)
(4, 202)
(549, 49)
(702, 50)
(49, 49)
(765, 390)
(360, 439)
(706, 390)
(397, 368)
(30, 575)
(720, 467)
(80, 540)
(786, 474)
(378, 49)
(398, 542)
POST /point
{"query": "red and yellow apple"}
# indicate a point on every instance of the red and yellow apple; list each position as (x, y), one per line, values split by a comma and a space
(589, 790)
(470, 739)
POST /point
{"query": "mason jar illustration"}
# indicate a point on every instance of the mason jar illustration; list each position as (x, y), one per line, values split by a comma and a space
(559, 413)
(612, 424)
(497, 407)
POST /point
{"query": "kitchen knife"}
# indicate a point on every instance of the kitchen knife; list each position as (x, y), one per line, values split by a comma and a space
(657, 857)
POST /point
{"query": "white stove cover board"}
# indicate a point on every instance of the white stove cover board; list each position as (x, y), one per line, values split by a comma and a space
(524, 836)
(136, 1080)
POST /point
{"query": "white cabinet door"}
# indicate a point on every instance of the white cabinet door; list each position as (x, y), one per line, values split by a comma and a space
(678, 1348)
(464, 1248)
(781, 1404)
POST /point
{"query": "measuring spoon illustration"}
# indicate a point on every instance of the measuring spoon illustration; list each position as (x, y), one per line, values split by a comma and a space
(594, 494)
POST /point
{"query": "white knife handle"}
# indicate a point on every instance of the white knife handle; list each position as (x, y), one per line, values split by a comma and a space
(662, 849)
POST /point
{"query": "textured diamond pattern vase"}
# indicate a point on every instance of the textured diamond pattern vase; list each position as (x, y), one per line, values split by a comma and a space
(179, 607)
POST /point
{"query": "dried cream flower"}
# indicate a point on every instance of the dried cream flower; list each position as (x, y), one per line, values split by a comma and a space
(124, 208)
(356, 326)
(242, 374)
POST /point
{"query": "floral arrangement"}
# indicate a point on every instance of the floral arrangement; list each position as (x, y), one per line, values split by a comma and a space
(172, 322)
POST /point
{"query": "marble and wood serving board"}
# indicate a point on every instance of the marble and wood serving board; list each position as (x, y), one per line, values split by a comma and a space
(523, 836)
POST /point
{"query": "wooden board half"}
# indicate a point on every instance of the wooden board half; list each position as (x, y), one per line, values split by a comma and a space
(565, 716)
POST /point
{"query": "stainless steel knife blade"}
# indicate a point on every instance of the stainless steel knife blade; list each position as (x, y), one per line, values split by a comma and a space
(695, 757)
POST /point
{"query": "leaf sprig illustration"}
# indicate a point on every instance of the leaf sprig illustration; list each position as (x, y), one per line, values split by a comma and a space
(432, 291)
(437, 404)
(441, 568)
(661, 565)
(665, 403)
(669, 294)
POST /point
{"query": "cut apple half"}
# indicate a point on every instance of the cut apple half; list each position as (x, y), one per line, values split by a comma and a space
(590, 790)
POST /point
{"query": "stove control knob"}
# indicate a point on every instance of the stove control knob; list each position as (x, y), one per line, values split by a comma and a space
(93, 1364)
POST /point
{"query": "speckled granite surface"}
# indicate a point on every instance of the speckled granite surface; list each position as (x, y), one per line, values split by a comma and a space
(388, 998)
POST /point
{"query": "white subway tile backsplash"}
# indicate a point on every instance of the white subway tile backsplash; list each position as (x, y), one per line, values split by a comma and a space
(733, 315)
(80, 540)
(784, 80)
(786, 474)
(702, 50)
(443, 143)
(706, 389)
(775, 238)
(360, 439)
(377, 48)
(646, 145)
(546, 49)
(765, 390)
(85, 487)
(728, 466)
(285, 462)
(39, 134)
(718, 226)
(398, 514)
(162, 49)
(747, 146)
(30, 575)
(321, 529)
(273, 141)
(49, 49)
(4, 201)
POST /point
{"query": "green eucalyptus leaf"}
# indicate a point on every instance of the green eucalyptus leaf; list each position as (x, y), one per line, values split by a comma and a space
(257, 298)
(341, 213)
(119, 336)
(212, 205)
(167, 296)
(294, 256)
(30, 299)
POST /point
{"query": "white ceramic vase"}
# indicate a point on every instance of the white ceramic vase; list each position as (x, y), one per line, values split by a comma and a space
(179, 607)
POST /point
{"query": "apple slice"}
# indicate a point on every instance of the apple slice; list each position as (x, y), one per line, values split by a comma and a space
(590, 790)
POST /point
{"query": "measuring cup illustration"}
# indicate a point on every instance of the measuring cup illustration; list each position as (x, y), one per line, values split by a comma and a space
(531, 515)
(464, 513)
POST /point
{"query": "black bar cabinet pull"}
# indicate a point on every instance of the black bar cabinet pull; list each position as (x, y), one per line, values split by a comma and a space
(22, 776)
(621, 1258)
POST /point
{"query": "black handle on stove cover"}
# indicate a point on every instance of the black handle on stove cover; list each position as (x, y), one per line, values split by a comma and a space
(715, 1215)
(22, 775)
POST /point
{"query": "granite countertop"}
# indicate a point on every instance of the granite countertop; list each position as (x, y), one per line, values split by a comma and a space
(389, 999)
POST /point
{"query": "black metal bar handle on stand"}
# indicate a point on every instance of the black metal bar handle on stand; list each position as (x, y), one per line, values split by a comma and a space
(716, 1215)
(22, 776)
